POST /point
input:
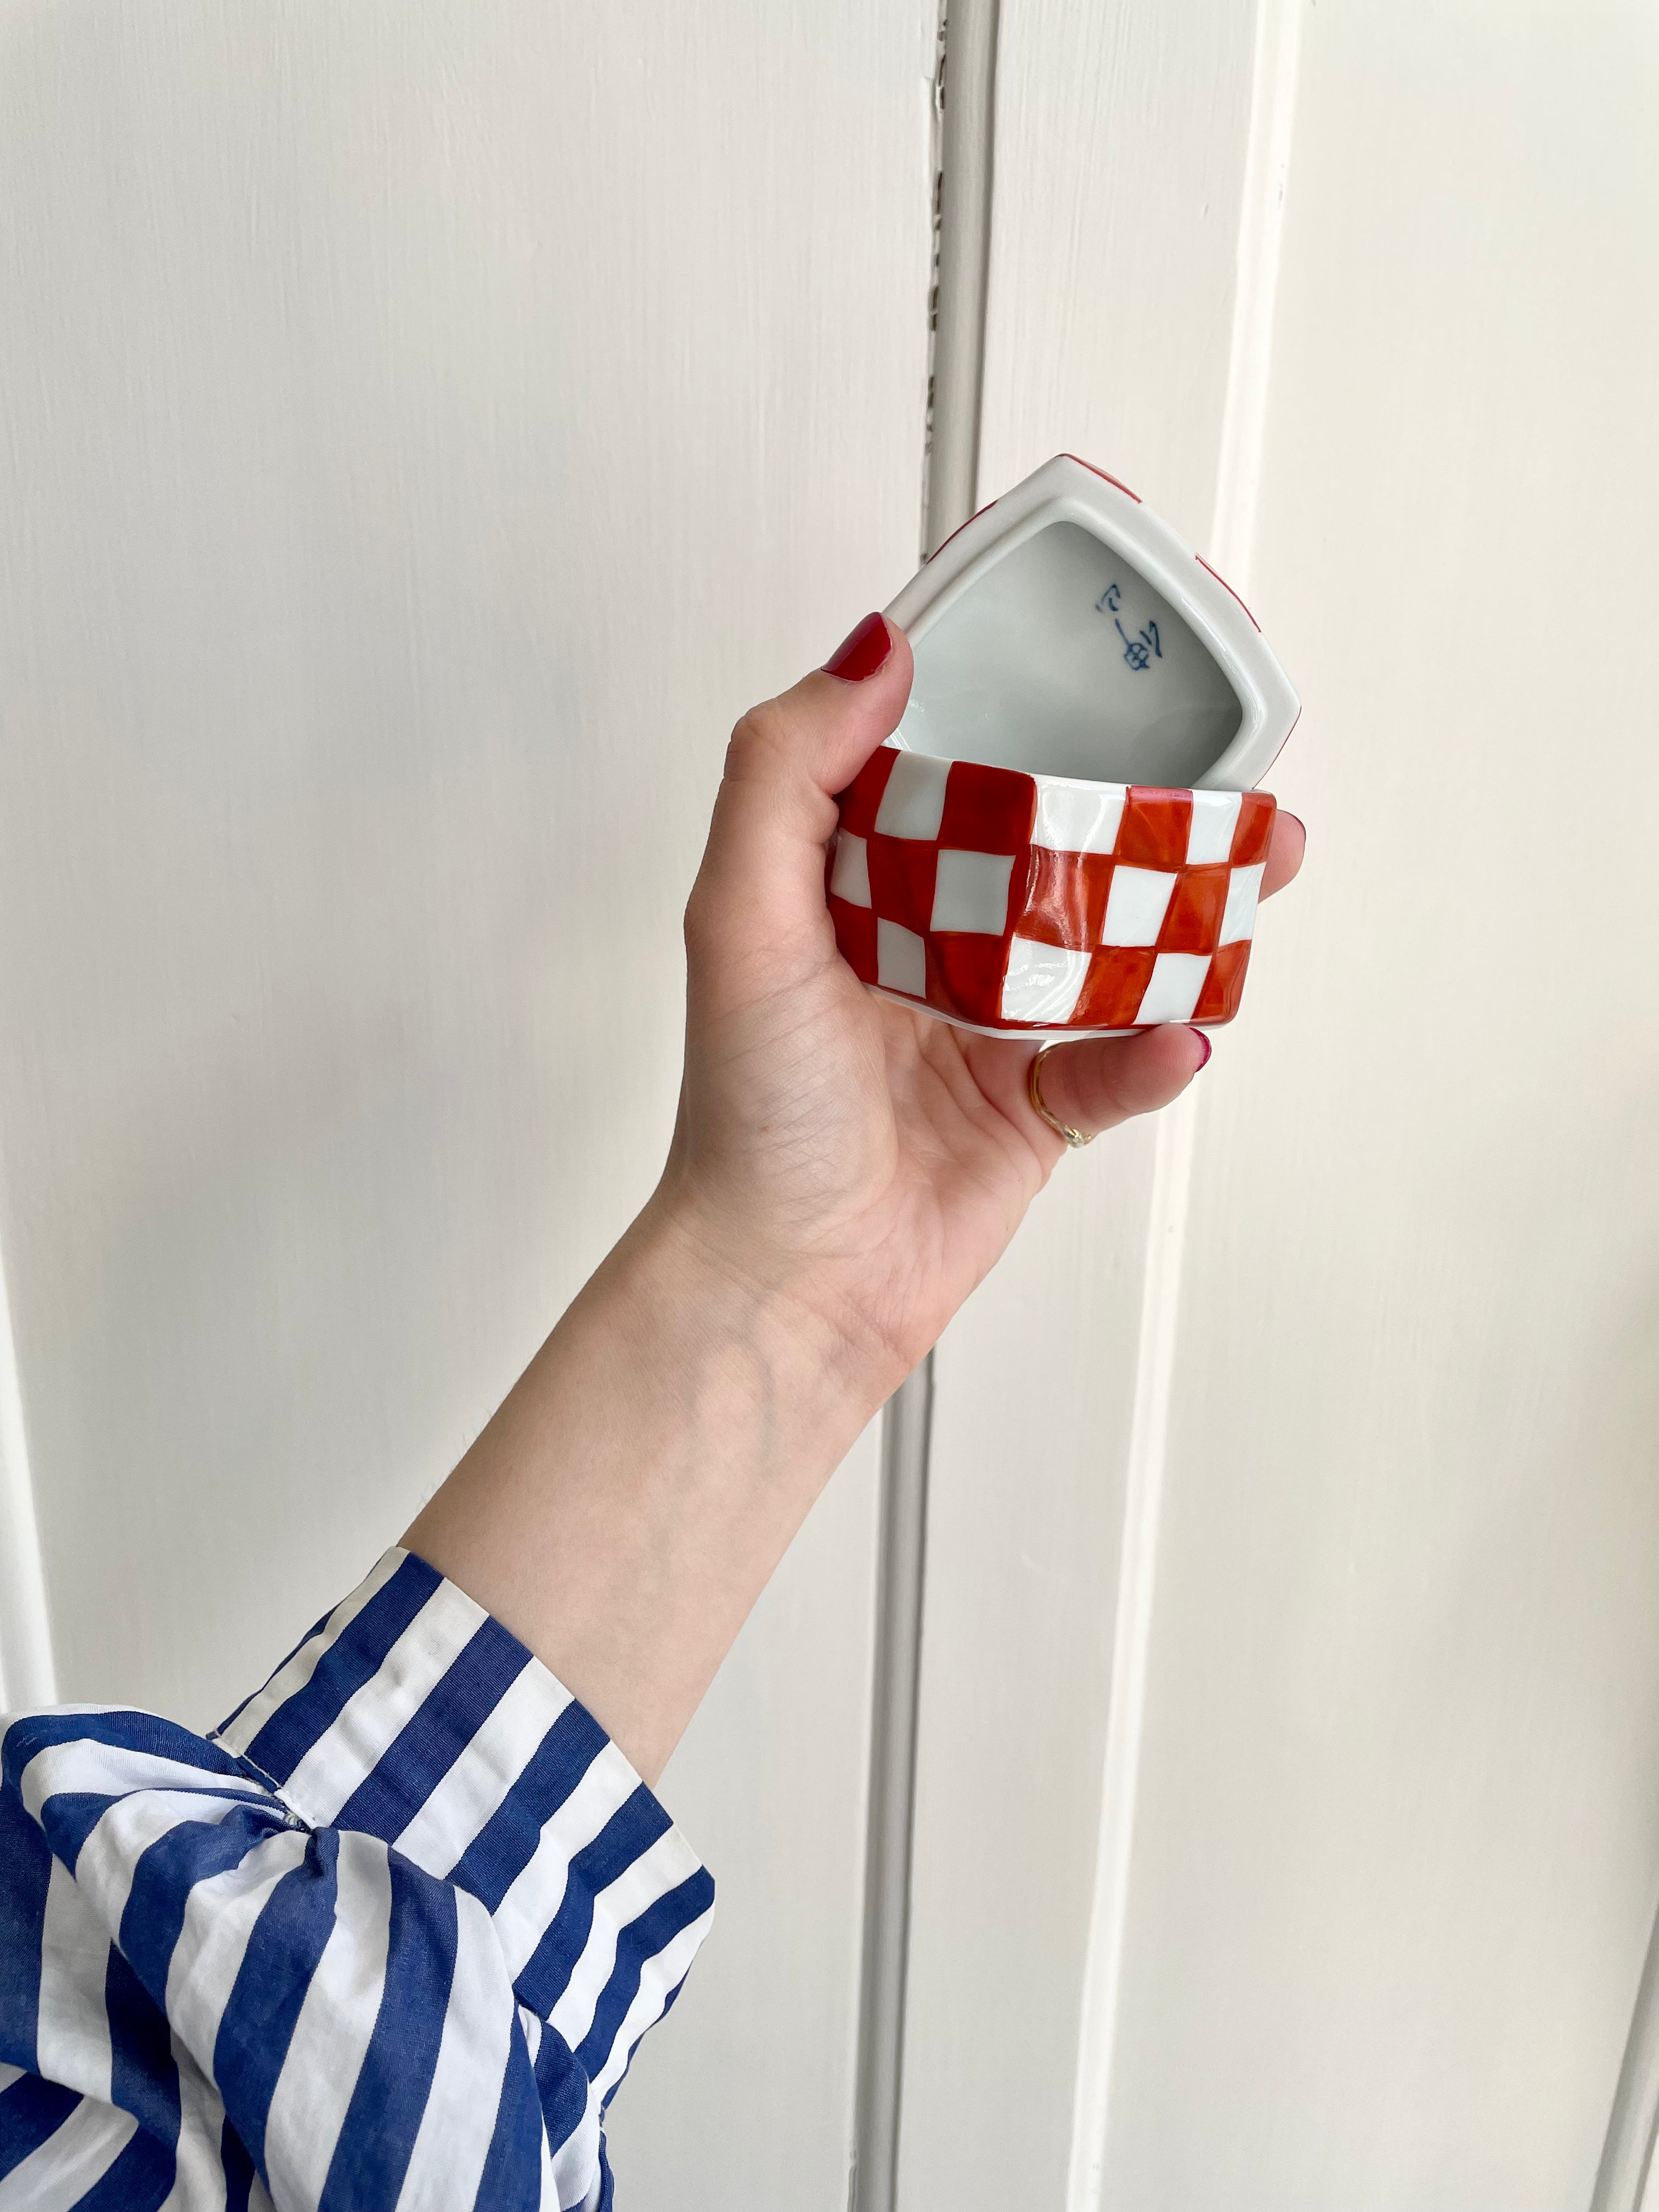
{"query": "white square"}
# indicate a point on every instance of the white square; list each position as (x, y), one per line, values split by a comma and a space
(849, 877)
(1215, 817)
(970, 891)
(1044, 982)
(913, 804)
(1243, 890)
(1077, 817)
(1135, 906)
(900, 960)
(1177, 979)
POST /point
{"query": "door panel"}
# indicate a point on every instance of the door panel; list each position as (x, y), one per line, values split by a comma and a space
(1398, 1842)
(429, 430)
(1386, 1787)
(1120, 137)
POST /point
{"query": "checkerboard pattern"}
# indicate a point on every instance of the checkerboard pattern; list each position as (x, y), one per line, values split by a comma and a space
(1020, 901)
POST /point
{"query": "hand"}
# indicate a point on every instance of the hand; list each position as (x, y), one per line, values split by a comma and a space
(867, 1162)
(842, 1173)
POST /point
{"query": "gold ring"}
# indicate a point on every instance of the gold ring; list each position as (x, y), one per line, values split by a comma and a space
(1075, 1138)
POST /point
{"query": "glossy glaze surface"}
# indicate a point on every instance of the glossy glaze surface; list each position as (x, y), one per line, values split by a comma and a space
(1037, 903)
(1062, 658)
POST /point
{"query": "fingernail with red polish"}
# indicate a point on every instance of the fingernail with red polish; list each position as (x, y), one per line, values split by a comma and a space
(863, 653)
(1209, 1049)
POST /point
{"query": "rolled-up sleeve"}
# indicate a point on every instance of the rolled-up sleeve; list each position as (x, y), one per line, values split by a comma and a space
(389, 1937)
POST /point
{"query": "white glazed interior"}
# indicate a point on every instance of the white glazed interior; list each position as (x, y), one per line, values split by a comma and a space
(1065, 630)
(1061, 659)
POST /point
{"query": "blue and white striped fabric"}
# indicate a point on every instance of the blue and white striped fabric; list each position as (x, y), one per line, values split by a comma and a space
(386, 1940)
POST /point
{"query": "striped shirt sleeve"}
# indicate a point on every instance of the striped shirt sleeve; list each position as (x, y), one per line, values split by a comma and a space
(388, 1938)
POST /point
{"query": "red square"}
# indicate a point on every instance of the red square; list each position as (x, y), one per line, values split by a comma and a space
(1067, 903)
(965, 975)
(902, 871)
(1114, 986)
(1191, 922)
(855, 938)
(1224, 986)
(986, 810)
(1253, 832)
(1155, 826)
(861, 797)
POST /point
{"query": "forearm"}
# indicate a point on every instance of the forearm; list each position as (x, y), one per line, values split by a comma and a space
(625, 1507)
(843, 1172)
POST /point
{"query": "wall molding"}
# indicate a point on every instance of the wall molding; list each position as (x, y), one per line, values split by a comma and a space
(1627, 2178)
(1238, 471)
(896, 1681)
(29, 1673)
(964, 123)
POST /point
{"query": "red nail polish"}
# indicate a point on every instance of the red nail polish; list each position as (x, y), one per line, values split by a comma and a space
(863, 653)
(1209, 1049)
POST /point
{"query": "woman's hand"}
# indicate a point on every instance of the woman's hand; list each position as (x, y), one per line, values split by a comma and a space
(842, 1174)
(832, 1146)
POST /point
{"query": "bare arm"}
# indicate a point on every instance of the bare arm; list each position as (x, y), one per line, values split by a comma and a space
(842, 1174)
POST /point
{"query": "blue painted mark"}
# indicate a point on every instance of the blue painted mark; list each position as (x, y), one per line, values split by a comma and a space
(1140, 650)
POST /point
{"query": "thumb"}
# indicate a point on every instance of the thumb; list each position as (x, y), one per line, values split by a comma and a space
(775, 809)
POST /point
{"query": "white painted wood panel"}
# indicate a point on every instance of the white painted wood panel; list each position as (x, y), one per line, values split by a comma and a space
(1118, 160)
(1396, 1837)
(427, 429)
(747, 2099)
(1395, 1869)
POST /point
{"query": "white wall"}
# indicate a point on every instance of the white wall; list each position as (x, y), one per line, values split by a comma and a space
(1399, 1837)
(1121, 139)
(1386, 1787)
(428, 427)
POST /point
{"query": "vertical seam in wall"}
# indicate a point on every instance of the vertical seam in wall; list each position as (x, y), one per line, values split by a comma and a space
(966, 181)
(896, 1682)
(28, 1673)
(1624, 2177)
(961, 189)
(1238, 471)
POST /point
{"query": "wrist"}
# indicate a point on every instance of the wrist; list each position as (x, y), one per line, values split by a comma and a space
(628, 1503)
(828, 1373)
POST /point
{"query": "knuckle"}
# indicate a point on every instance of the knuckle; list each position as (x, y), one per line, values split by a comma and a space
(699, 920)
(758, 741)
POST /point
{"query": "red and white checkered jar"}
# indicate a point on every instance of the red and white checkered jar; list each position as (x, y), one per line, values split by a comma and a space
(1066, 626)
(1012, 901)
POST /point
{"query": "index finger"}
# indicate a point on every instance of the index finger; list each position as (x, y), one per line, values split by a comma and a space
(1289, 842)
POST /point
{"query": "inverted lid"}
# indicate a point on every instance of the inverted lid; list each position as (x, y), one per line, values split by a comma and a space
(1065, 630)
